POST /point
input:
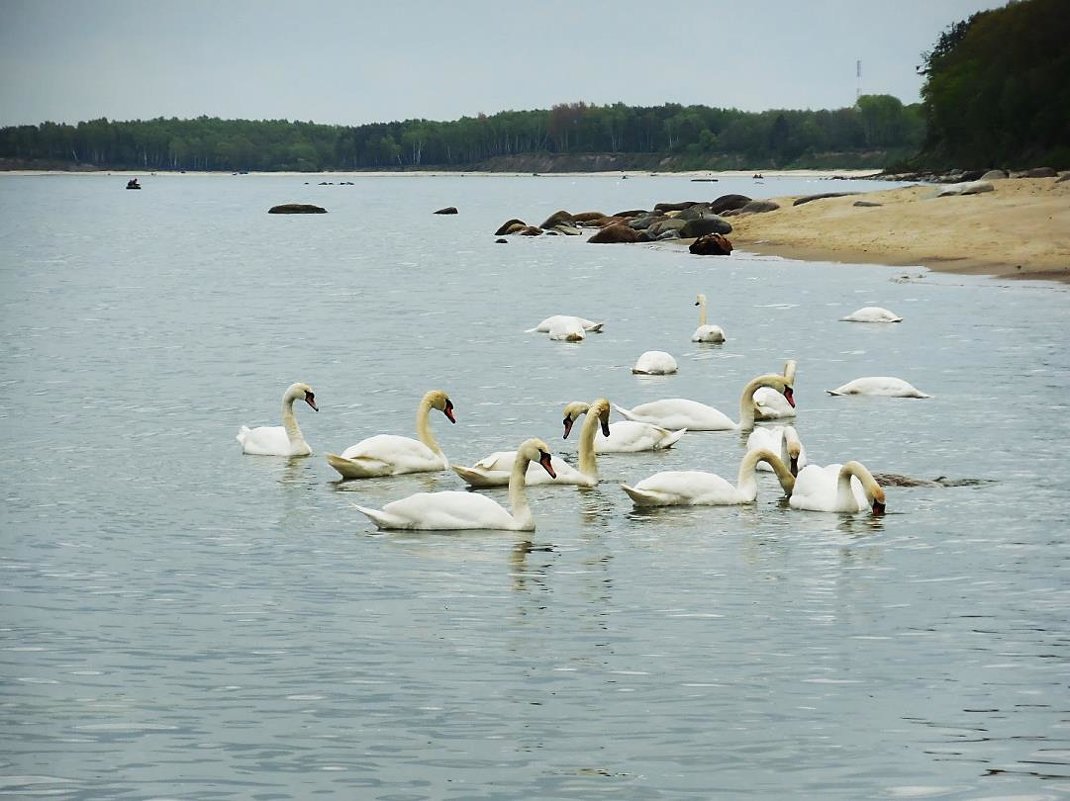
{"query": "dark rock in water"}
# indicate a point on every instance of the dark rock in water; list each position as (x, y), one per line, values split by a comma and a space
(447, 210)
(556, 219)
(617, 232)
(808, 198)
(530, 230)
(705, 225)
(711, 245)
(631, 213)
(510, 226)
(587, 216)
(753, 207)
(686, 204)
(297, 208)
(727, 202)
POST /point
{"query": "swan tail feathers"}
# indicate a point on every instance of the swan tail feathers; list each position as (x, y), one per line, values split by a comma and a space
(643, 497)
(351, 468)
(626, 413)
(381, 519)
(672, 438)
(480, 478)
(596, 328)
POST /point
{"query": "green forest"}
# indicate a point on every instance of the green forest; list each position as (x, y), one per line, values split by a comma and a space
(996, 93)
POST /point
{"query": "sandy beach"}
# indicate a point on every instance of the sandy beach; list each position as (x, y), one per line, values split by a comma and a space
(1020, 229)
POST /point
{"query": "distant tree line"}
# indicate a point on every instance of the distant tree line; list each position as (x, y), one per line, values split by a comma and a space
(876, 129)
(997, 89)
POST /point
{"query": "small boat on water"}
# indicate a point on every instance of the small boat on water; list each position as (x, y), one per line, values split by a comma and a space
(133, 184)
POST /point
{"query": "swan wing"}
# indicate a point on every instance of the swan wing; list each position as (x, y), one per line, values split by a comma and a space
(676, 413)
(388, 455)
(684, 488)
(886, 386)
(441, 511)
(270, 441)
(816, 490)
(630, 436)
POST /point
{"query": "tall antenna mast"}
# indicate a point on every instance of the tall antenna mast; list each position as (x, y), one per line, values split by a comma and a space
(858, 74)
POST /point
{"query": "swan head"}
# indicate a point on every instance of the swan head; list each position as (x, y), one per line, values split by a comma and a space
(573, 411)
(535, 450)
(301, 392)
(793, 446)
(877, 505)
(700, 299)
(437, 399)
(602, 408)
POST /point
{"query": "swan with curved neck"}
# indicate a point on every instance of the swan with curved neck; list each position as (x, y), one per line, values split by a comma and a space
(837, 488)
(493, 470)
(625, 436)
(784, 439)
(883, 386)
(706, 332)
(392, 455)
(454, 510)
(770, 404)
(698, 488)
(676, 413)
(284, 440)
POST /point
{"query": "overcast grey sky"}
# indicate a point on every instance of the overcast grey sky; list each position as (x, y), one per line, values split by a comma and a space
(359, 61)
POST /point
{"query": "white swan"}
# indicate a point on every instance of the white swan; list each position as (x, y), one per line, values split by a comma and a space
(879, 385)
(458, 509)
(284, 440)
(698, 488)
(625, 436)
(392, 455)
(779, 439)
(837, 488)
(655, 362)
(494, 470)
(676, 413)
(872, 314)
(769, 404)
(566, 321)
(705, 332)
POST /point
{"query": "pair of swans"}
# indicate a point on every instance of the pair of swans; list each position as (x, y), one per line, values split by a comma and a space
(655, 362)
(872, 314)
(495, 470)
(454, 510)
(779, 439)
(393, 455)
(706, 333)
(884, 386)
(699, 488)
(770, 404)
(284, 440)
(567, 328)
(676, 413)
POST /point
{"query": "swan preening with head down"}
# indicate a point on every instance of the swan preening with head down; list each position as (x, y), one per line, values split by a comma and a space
(872, 314)
(567, 327)
(769, 404)
(675, 413)
(284, 440)
(885, 386)
(698, 488)
(454, 510)
(655, 362)
(494, 470)
(705, 332)
(392, 455)
(837, 488)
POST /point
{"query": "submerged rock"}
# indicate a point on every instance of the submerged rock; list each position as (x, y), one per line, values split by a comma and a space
(297, 208)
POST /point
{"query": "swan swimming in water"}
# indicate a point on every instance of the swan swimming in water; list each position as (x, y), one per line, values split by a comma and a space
(779, 439)
(674, 413)
(494, 470)
(392, 455)
(625, 436)
(769, 404)
(872, 314)
(284, 440)
(455, 510)
(699, 488)
(655, 362)
(885, 386)
(567, 327)
(848, 487)
(705, 332)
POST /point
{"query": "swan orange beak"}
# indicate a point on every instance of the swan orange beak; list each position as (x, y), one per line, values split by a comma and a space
(310, 399)
(544, 460)
(789, 396)
(448, 411)
(567, 422)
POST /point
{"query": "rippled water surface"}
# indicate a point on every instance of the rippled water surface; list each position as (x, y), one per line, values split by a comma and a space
(183, 621)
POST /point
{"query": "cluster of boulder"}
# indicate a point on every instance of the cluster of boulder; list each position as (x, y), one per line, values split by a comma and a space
(703, 221)
(967, 176)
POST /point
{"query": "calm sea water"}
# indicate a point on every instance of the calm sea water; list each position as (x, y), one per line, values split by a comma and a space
(184, 622)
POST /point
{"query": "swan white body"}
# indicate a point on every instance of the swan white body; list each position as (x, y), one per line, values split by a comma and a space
(770, 404)
(706, 332)
(456, 510)
(879, 385)
(698, 488)
(494, 470)
(625, 436)
(284, 440)
(566, 322)
(779, 439)
(848, 487)
(655, 362)
(872, 314)
(675, 413)
(393, 455)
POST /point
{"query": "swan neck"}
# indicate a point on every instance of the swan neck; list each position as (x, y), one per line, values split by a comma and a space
(746, 400)
(518, 495)
(423, 426)
(588, 460)
(702, 310)
(747, 482)
(859, 471)
(289, 420)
